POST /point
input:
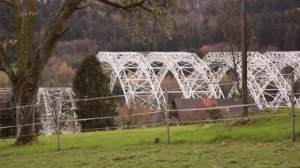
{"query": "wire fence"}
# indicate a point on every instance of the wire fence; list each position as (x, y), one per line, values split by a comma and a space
(76, 100)
(138, 114)
(113, 117)
(156, 124)
(171, 90)
(164, 120)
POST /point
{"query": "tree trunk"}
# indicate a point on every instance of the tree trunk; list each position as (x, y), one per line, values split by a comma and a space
(30, 65)
(26, 94)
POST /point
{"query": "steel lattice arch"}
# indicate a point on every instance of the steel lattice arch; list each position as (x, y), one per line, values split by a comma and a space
(57, 102)
(141, 74)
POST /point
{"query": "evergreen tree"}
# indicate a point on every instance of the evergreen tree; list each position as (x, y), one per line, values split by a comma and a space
(91, 82)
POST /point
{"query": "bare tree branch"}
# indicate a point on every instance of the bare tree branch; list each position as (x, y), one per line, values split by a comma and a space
(2, 69)
(58, 27)
(7, 2)
(124, 6)
(139, 4)
(1, 66)
(4, 64)
(16, 8)
(55, 31)
(108, 13)
(10, 25)
(146, 8)
(14, 4)
(85, 6)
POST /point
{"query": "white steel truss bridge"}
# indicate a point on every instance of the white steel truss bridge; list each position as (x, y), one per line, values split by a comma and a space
(140, 75)
(57, 103)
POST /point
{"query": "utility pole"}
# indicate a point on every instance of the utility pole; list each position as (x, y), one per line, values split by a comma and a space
(167, 117)
(293, 107)
(244, 40)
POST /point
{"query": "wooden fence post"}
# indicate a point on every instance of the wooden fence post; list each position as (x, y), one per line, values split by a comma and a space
(167, 117)
(57, 131)
(293, 107)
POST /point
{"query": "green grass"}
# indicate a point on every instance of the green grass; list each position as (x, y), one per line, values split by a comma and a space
(265, 143)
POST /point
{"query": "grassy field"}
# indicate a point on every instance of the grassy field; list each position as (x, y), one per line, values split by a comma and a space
(264, 143)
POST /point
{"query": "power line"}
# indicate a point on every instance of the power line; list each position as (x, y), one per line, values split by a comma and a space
(229, 119)
(125, 127)
(11, 108)
(25, 125)
(214, 108)
(10, 137)
(115, 96)
(139, 114)
(162, 123)
(99, 98)
(76, 100)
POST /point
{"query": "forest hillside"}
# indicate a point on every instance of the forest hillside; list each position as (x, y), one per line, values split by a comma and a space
(198, 26)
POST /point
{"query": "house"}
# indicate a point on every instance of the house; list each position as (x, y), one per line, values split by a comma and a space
(189, 109)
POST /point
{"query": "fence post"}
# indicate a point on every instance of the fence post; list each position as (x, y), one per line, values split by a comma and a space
(293, 107)
(57, 131)
(167, 117)
(18, 121)
(33, 126)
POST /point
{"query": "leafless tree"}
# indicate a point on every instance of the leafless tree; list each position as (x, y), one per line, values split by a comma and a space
(31, 61)
(229, 22)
